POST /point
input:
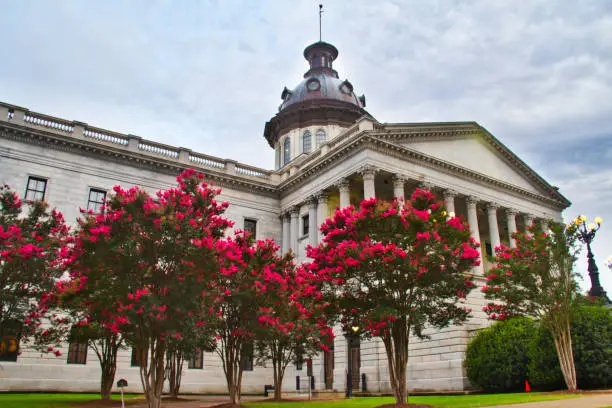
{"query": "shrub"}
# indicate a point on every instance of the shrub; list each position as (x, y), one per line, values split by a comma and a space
(592, 344)
(497, 357)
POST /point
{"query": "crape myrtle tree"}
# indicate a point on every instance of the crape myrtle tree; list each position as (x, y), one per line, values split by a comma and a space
(251, 274)
(537, 279)
(77, 309)
(396, 270)
(294, 320)
(30, 263)
(196, 338)
(146, 265)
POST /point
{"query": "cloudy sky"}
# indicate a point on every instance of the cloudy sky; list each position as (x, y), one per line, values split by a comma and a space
(208, 74)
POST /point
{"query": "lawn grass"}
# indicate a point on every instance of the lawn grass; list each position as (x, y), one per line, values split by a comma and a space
(450, 401)
(41, 400)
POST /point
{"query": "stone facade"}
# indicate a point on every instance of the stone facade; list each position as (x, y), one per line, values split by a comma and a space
(476, 175)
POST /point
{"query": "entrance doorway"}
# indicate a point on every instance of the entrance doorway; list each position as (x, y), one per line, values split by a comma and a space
(354, 361)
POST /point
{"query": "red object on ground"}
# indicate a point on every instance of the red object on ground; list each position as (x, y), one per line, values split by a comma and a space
(527, 387)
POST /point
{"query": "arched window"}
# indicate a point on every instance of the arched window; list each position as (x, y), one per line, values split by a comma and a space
(307, 142)
(321, 137)
(286, 151)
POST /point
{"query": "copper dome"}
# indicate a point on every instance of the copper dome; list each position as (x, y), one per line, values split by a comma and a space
(321, 98)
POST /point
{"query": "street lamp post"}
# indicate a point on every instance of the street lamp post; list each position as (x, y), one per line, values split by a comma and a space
(586, 234)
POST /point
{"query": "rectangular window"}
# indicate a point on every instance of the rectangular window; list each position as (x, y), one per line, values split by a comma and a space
(139, 356)
(35, 190)
(77, 353)
(10, 331)
(197, 360)
(96, 200)
(250, 226)
(305, 224)
(299, 362)
(247, 357)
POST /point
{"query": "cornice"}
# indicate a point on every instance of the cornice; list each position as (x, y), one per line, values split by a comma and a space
(130, 158)
(365, 141)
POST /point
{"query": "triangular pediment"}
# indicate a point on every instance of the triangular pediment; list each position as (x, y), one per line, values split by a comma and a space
(469, 146)
(475, 155)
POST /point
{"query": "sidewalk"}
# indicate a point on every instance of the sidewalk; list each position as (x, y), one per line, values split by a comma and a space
(591, 401)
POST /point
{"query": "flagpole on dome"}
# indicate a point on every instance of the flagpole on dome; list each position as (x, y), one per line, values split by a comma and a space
(320, 17)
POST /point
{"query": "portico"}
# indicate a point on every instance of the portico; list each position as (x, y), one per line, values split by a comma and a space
(491, 223)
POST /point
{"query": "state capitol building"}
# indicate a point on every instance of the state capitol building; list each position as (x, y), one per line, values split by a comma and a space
(329, 153)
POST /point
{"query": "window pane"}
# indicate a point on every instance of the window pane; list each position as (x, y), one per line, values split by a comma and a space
(250, 226)
(247, 357)
(307, 142)
(321, 137)
(77, 353)
(197, 361)
(96, 200)
(305, 226)
(30, 195)
(35, 189)
(286, 151)
(138, 355)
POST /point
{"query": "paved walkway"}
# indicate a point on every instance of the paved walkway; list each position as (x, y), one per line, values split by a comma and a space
(590, 401)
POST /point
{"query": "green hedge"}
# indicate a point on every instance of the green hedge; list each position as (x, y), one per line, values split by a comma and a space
(497, 357)
(503, 356)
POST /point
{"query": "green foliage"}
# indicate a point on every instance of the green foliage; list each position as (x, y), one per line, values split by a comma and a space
(503, 356)
(592, 333)
(591, 328)
(497, 357)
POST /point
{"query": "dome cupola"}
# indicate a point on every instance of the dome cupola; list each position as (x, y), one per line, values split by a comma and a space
(321, 98)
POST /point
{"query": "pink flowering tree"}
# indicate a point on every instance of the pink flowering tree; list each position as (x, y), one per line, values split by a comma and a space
(29, 264)
(140, 269)
(396, 270)
(250, 273)
(537, 279)
(294, 319)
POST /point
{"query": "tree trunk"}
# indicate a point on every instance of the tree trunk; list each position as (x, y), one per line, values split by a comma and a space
(174, 370)
(108, 377)
(231, 358)
(279, 363)
(106, 349)
(396, 347)
(152, 373)
(563, 344)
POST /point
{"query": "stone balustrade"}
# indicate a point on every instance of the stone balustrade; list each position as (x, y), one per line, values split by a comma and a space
(82, 131)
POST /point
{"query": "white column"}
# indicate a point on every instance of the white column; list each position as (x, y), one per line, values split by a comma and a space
(286, 232)
(449, 200)
(528, 218)
(345, 194)
(511, 218)
(295, 213)
(321, 213)
(493, 227)
(312, 221)
(369, 174)
(472, 215)
(398, 188)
